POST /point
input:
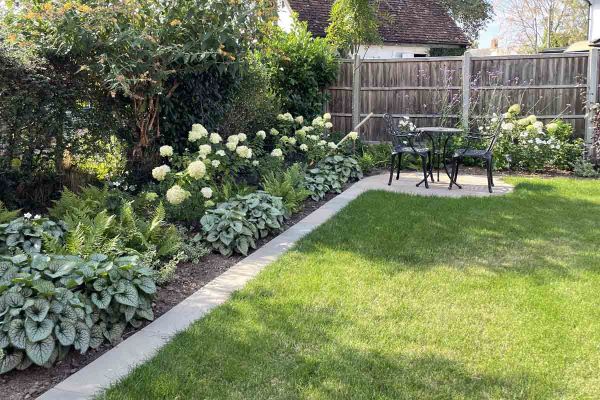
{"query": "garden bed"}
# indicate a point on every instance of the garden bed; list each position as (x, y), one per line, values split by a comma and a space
(188, 278)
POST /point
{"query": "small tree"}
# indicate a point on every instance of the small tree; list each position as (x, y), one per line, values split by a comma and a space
(353, 23)
(135, 48)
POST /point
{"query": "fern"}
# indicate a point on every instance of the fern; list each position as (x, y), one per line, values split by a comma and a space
(289, 186)
(6, 215)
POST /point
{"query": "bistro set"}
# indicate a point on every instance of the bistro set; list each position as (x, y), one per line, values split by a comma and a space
(432, 147)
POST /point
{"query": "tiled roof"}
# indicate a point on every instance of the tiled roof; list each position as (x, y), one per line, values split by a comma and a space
(401, 21)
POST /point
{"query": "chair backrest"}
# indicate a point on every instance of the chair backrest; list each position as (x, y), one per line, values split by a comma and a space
(397, 137)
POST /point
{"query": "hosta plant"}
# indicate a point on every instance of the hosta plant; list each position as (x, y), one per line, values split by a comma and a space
(50, 304)
(228, 230)
(331, 174)
(266, 212)
(26, 234)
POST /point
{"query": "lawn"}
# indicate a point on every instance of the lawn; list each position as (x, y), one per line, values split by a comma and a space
(403, 297)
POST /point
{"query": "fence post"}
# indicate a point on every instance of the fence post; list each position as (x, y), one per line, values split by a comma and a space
(356, 90)
(466, 89)
(592, 98)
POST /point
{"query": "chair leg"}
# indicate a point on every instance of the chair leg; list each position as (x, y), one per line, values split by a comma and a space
(455, 176)
(492, 170)
(392, 169)
(454, 161)
(489, 175)
(399, 166)
(425, 171)
(430, 166)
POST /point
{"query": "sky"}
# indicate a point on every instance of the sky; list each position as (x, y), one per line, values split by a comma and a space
(491, 31)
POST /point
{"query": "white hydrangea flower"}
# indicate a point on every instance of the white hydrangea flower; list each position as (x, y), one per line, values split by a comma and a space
(196, 169)
(159, 173)
(318, 122)
(309, 128)
(515, 109)
(313, 137)
(255, 163)
(283, 139)
(277, 153)
(552, 127)
(353, 135)
(215, 163)
(198, 132)
(242, 137)
(233, 139)
(261, 134)
(508, 126)
(332, 145)
(328, 125)
(205, 149)
(322, 142)
(177, 195)
(220, 153)
(292, 141)
(166, 151)
(300, 132)
(299, 119)
(215, 138)
(206, 192)
(274, 132)
(303, 147)
(327, 117)
(244, 152)
(231, 146)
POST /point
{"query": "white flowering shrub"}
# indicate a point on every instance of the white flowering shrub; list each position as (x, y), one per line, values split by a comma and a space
(190, 180)
(525, 143)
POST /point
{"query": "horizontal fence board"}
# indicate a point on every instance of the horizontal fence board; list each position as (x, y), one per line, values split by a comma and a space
(429, 90)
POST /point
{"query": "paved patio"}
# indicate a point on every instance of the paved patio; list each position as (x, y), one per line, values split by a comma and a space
(472, 185)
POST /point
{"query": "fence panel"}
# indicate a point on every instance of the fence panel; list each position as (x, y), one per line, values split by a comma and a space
(429, 90)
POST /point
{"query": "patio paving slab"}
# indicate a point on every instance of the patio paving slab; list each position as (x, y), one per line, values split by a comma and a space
(119, 361)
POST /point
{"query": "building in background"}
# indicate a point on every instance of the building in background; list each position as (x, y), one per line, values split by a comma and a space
(408, 28)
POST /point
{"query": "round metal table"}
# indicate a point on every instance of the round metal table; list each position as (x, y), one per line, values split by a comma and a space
(439, 137)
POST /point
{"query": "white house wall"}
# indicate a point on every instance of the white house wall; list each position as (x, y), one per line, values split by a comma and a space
(284, 11)
(393, 51)
(594, 32)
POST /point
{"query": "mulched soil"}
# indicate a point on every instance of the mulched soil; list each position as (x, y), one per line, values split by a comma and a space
(189, 278)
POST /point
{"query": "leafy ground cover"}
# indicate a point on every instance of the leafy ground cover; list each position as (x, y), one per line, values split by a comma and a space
(409, 297)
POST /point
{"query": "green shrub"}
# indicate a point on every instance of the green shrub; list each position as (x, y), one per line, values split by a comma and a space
(366, 162)
(6, 215)
(50, 304)
(289, 186)
(527, 144)
(378, 153)
(301, 67)
(585, 169)
(331, 174)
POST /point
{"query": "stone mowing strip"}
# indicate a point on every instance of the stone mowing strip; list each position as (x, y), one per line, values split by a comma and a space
(116, 363)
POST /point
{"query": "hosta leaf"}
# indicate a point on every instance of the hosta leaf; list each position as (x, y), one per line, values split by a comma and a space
(128, 311)
(4, 339)
(52, 358)
(14, 299)
(65, 332)
(39, 310)
(145, 313)
(9, 361)
(37, 331)
(146, 285)
(39, 262)
(82, 337)
(40, 352)
(16, 333)
(129, 297)
(96, 336)
(114, 333)
(24, 364)
(100, 284)
(102, 300)
(44, 287)
(68, 314)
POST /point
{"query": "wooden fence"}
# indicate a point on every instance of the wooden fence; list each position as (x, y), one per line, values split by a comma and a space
(441, 91)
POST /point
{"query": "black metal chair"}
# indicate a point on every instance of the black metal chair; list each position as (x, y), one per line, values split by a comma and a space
(470, 150)
(407, 143)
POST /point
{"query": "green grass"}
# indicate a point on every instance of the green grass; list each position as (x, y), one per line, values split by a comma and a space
(402, 297)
